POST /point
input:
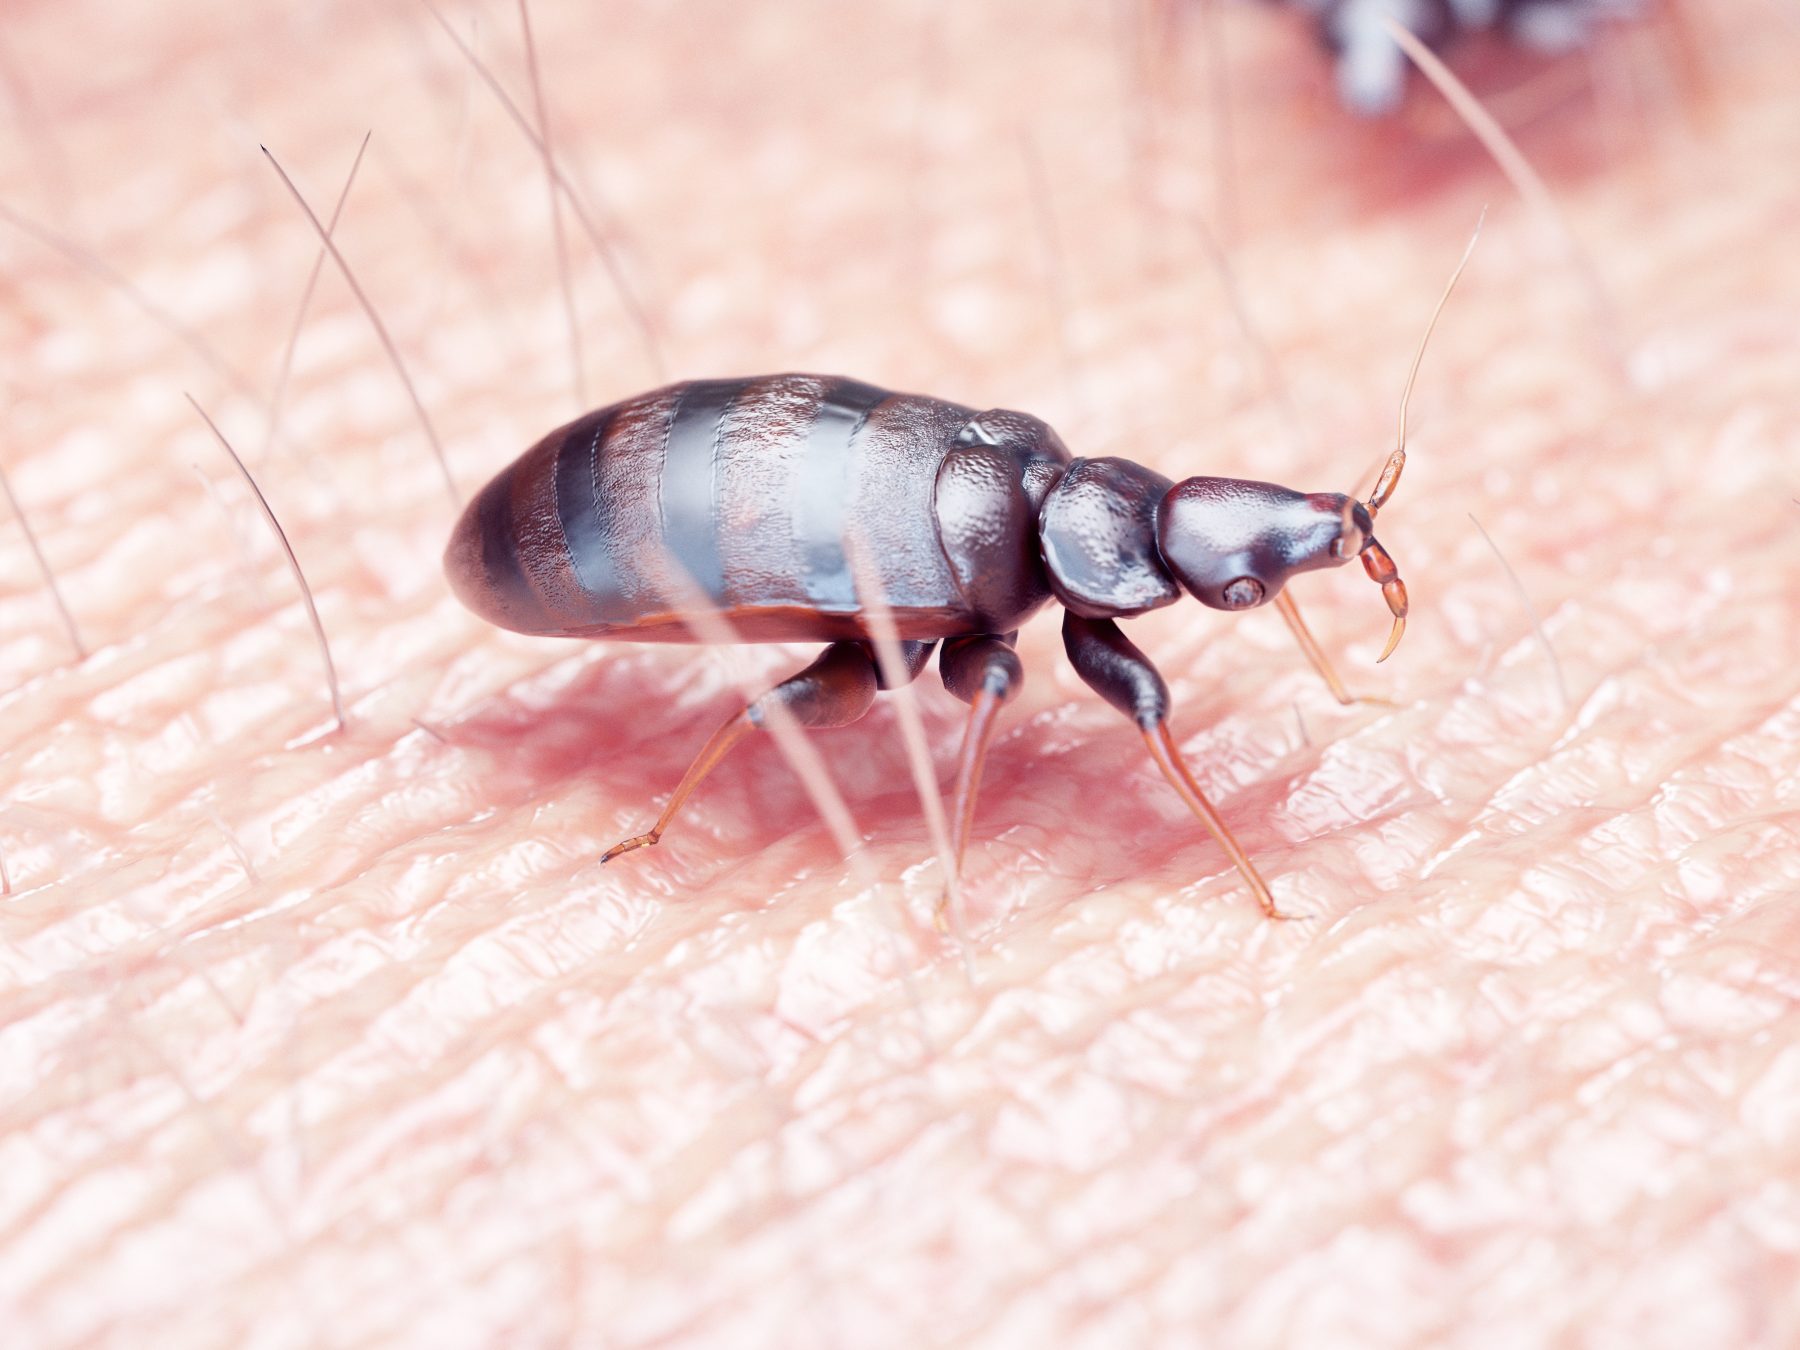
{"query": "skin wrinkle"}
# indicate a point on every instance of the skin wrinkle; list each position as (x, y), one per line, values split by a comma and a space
(1527, 1079)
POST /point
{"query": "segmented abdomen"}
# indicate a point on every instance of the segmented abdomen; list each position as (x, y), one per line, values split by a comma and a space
(748, 488)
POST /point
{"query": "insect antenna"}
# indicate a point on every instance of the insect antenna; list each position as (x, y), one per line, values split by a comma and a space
(1375, 559)
(1390, 473)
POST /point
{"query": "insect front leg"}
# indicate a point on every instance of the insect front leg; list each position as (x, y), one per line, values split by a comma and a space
(1113, 667)
(1284, 601)
(833, 691)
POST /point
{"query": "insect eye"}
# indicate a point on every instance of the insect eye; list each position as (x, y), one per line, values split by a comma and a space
(1242, 593)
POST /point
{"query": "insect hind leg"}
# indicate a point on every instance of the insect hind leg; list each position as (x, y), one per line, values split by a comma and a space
(834, 691)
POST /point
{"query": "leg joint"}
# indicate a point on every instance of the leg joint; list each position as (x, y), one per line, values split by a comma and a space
(833, 691)
(981, 664)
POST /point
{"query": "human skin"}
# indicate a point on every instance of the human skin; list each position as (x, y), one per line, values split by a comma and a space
(343, 1038)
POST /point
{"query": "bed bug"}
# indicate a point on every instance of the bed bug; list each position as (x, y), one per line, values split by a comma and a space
(1371, 70)
(754, 497)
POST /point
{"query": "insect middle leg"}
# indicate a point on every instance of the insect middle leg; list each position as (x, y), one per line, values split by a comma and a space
(833, 691)
(985, 673)
(1114, 668)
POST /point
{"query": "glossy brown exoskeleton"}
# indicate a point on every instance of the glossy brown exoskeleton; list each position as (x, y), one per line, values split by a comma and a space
(763, 492)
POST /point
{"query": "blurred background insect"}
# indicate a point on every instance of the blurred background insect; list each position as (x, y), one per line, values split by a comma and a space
(1370, 68)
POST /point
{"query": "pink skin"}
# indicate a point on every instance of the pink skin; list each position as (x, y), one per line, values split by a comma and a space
(322, 1039)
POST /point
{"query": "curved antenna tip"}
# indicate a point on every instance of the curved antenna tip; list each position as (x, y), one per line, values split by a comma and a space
(1398, 631)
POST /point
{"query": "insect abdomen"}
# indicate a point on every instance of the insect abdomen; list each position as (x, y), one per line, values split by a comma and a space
(750, 488)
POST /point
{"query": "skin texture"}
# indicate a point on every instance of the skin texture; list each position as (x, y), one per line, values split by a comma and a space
(316, 1038)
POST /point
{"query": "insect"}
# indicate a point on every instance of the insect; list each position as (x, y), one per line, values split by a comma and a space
(755, 497)
(1371, 70)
